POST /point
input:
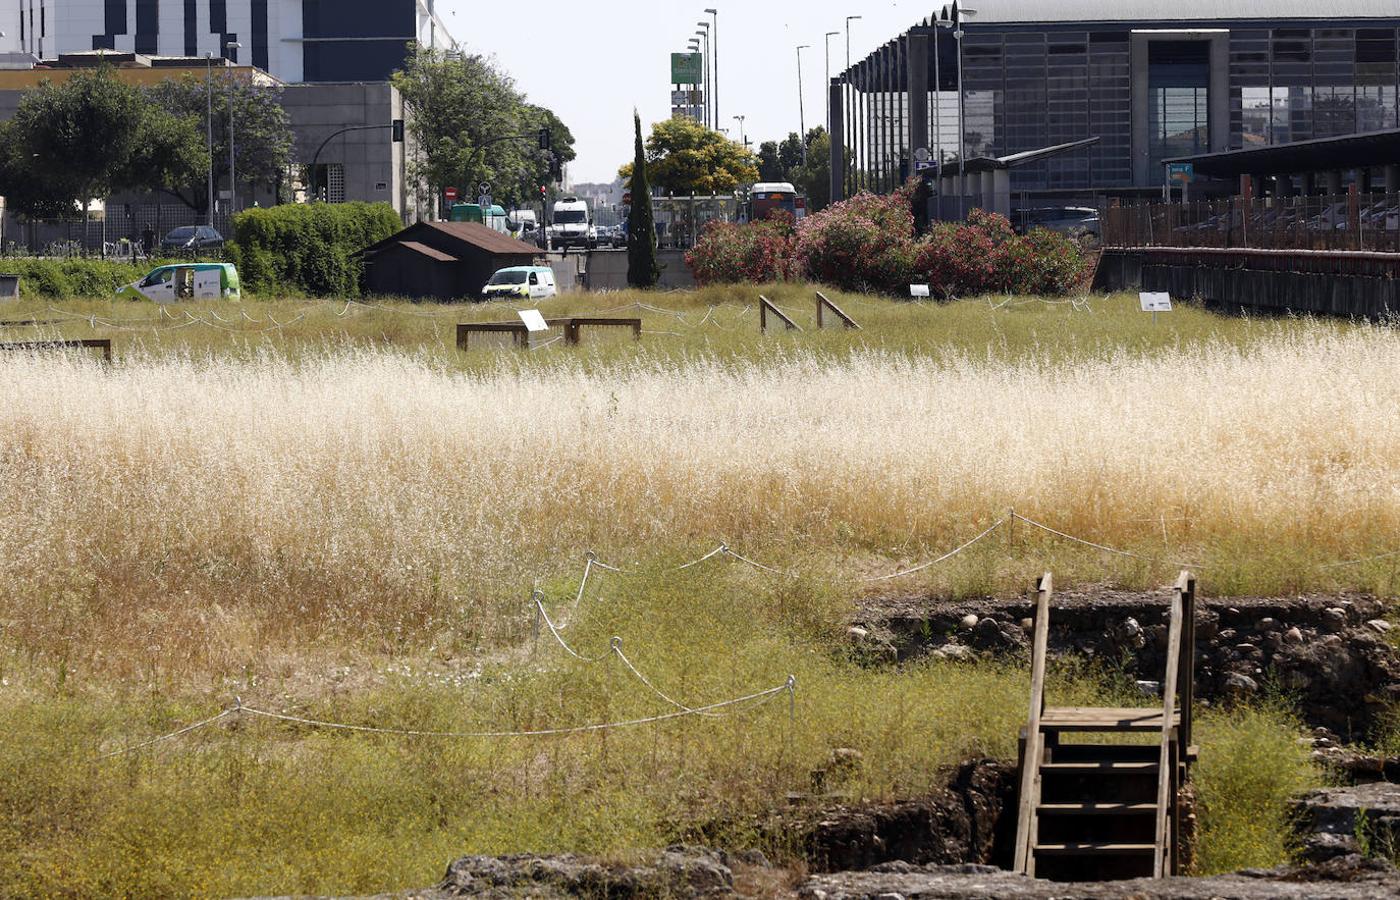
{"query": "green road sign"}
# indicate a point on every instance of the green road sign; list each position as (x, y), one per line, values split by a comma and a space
(687, 68)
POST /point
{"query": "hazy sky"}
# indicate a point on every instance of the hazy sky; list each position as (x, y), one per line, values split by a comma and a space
(592, 61)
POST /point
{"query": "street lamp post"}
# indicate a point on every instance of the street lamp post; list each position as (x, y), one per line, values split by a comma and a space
(959, 13)
(743, 135)
(826, 85)
(209, 123)
(801, 109)
(232, 165)
(714, 85)
(849, 20)
(694, 47)
(704, 32)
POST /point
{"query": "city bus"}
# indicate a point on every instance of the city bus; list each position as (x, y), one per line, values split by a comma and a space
(768, 196)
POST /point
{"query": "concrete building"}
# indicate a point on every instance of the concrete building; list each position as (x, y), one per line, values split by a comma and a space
(1150, 81)
(294, 40)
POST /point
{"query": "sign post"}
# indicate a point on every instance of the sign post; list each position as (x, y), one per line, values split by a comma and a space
(1155, 303)
(1183, 174)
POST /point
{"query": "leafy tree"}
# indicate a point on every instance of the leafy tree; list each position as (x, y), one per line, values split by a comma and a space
(790, 155)
(642, 271)
(814, 179)
(769, 167)
(685, 157)
(263, 133)
(471, 125)
(91, 137)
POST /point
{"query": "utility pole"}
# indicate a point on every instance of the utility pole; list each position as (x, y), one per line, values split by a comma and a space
(232, 164)
(714, 85)
(801, 108)
(209, 123)
(826, 85)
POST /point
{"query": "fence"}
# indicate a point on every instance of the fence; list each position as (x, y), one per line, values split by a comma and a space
(117, 231)
(1355, 222)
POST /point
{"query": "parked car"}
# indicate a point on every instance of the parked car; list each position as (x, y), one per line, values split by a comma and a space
(521, 283)
(192, 238)
(191, 281)
(1064, 219)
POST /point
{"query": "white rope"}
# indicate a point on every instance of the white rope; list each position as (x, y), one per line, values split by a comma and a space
(787, 687)
(1070, 537)
(757, 565)
(944, 558)
(633, 573)
(1357, 562)
(617, 649)
(174, 734)
(537, 597)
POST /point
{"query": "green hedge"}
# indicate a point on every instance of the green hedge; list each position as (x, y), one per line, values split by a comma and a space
(308, 248)
(67, 279)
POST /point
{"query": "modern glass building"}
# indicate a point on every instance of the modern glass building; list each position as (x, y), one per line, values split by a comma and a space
(1150, 80)
(295, 40)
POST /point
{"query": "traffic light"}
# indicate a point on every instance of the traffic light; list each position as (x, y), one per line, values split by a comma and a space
(546, 141)
(556, 171)
(398, 131)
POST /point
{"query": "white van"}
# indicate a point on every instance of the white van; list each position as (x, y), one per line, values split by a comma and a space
(573, 225)
(521, 283)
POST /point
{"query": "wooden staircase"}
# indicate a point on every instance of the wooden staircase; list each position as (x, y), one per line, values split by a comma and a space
(1106, 811)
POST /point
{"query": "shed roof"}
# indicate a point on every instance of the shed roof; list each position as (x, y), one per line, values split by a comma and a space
(468, 234)
(427, 251)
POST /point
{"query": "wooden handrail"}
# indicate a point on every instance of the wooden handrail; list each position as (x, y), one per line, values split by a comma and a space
(1030, 764)
(767, 307)
(824, 304)
(1186, 674)
(1166, 771)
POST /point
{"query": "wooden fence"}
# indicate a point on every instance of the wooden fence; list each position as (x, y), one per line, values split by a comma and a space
(1358, 222)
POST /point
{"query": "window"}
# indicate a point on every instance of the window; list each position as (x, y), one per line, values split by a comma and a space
(1178, 100)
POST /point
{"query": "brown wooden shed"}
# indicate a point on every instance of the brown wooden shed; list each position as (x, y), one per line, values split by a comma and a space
(442, 260)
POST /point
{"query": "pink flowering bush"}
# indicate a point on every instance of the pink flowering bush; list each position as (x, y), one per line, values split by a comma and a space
(868, 243)
(757, 252)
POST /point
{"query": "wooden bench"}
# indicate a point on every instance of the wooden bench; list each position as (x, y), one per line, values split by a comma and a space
(573, 329)
(102, 344)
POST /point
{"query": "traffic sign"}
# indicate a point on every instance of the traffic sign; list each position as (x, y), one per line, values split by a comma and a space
(450, 194)
(687, 68)
(1184, 173)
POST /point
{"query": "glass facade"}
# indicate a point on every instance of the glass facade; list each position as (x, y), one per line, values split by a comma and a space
(1029, 87)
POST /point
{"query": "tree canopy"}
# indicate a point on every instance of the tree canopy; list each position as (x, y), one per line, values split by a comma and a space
(89, 138)
(472, 125)
(263, 144)
(685, 157)
(783, 162)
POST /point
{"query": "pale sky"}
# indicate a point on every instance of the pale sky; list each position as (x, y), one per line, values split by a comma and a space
(592, 61)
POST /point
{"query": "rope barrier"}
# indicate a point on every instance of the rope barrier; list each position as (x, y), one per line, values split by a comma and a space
(1357, 562)
(1070, 537)
(945, 557)
(789, 687)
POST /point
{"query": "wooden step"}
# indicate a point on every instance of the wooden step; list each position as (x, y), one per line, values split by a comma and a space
(1102, 718)
(1095, 848)
(1096, 809)
(1106, 765)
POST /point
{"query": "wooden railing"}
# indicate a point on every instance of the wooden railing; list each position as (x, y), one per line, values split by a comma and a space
(1174, 734)
(1034, 745)
(103, 344)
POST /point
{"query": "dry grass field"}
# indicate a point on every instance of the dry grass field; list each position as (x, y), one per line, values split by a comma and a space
(342, 517)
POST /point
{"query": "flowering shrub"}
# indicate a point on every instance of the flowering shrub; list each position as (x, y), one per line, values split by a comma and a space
(864, 243)
(756, 252)
(868, 243)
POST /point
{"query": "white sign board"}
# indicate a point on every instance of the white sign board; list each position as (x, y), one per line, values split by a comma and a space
(1155, 303)
(533, 320)
(919, 290)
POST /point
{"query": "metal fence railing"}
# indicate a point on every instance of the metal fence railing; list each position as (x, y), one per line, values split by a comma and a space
(117, 232)
(1356, 222)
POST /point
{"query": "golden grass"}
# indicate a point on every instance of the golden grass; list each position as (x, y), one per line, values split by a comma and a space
(347, 521)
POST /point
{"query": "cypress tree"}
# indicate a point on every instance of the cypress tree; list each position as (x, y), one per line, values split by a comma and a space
(642, 271)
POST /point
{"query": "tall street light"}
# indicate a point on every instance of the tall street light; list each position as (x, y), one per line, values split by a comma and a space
(232, 46)
(801, 110)
(743, 135)
(694, 47)
(209, 122)
(849, 20)
(826, 85)
(714, 85)
(959, 12)
(704, 32)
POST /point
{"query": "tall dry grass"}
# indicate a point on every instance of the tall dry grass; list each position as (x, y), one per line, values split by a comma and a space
(180, 513)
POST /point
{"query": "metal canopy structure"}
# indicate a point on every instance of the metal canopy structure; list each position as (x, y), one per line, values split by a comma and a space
(1373, 149)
